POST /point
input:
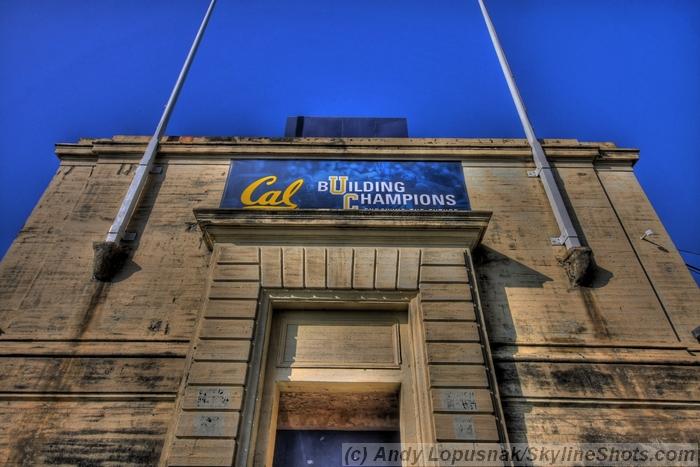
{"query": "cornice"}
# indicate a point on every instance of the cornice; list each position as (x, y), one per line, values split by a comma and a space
(455, 229)
(122, 148)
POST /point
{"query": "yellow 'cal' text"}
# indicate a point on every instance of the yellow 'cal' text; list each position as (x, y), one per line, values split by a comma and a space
(278, 199)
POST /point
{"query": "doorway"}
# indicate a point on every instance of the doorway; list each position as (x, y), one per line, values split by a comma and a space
(335, 376)
(313, 426)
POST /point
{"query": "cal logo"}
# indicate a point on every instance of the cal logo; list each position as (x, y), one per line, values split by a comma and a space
(253, 196)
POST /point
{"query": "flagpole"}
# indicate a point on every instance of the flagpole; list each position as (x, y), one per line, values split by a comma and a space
(568, 235)
(110, 254)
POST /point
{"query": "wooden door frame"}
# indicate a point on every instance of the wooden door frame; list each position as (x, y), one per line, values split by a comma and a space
(290, 299)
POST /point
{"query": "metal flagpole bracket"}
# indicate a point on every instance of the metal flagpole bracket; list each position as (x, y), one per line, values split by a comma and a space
(578, 261)
(111, 254)
(534, 173)
(557, 241)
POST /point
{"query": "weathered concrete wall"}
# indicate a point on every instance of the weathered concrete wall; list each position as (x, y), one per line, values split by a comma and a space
(90, 370)
(571, 360)
(92, 364)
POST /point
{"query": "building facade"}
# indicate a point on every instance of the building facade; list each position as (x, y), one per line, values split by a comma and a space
(228, 331)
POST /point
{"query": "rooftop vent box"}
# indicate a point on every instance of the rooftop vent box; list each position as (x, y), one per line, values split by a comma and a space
(346, 127)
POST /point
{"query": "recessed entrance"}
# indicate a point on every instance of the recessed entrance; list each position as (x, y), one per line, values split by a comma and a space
(312, 426)
(333, 377)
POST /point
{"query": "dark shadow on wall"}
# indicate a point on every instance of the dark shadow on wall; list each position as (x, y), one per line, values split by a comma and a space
(659, 247)
(600, 277)
(496, 273)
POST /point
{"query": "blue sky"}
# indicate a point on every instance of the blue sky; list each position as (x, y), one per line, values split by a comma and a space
(626, 71)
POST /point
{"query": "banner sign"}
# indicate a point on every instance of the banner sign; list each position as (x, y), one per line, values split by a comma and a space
(335, 184)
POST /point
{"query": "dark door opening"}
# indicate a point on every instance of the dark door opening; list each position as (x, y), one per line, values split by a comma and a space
(312, 426)
(322, 448)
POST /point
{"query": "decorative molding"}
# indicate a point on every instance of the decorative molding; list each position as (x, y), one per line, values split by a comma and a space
(318, 227)
(202, 149)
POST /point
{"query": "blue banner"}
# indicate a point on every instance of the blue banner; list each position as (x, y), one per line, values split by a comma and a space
(335, 184)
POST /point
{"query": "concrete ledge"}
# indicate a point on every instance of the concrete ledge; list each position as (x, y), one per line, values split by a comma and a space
(317, 227)
(213, 148)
